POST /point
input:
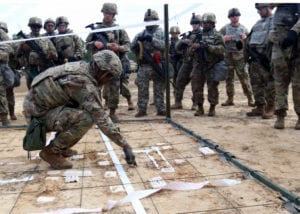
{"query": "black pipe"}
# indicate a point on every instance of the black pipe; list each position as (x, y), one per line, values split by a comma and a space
(167, 76)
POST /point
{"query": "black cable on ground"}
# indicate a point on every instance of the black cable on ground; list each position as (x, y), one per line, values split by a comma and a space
(232, 159)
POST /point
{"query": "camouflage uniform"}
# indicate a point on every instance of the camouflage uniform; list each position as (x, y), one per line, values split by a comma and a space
(36, 63)
(5, 51)
(65, 98)
(120, 37)
(234, 58)
(152, 41)
(15, 66)
(69, 48)
(183, 77)
(286, 59)
(261, 76)
(176, 56)
(48, 22)
(206, 51)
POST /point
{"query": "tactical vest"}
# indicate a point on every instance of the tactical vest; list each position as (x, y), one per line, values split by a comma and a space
(65, 46)
(235, 33)
(5, 49)
(112, 36)
(259, 33)
(47, 89)
(286, 15)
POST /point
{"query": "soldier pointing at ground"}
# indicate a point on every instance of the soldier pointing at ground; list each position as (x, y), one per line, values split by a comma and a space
(65, 99)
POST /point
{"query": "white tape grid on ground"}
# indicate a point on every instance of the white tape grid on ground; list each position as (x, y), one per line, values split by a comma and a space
(137, 205)
(119, 27)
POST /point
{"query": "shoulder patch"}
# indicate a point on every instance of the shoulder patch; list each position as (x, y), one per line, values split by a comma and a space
(73, 66)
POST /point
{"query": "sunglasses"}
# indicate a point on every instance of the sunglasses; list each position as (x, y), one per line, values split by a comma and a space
(233, 15)
(36, 26)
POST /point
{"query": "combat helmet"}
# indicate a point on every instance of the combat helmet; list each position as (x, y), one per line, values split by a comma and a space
(196, 19)
(233, 12)
(175, 29)
(35, 21)
(109, 8)
(209, 17)
(151, 15)
(3, 26)
(107, 60)
(49, 20)
(61, 19)
(261, 5)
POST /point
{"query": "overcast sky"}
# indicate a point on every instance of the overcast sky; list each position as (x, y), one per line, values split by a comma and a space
(16, 13)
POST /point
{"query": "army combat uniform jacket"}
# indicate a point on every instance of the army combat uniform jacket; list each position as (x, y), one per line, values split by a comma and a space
(65, 90)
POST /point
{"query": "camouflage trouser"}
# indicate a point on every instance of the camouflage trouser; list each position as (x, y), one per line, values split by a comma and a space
(199, 78)
(10, 95)
(262, 83)
(70, 125)
(3, 99)
(176, 66)
(286, 71)
(183, 78)
(111, 94)
(238, 66)
(144, 75)
(125, 92)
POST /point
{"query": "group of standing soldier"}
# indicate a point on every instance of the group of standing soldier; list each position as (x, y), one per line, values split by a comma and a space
(270, 50)
(64, 91)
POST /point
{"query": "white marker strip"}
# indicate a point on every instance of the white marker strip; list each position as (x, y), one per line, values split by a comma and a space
(143, 24)
(137, 205)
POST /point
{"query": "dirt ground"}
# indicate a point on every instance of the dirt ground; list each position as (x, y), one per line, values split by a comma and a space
(253, 141)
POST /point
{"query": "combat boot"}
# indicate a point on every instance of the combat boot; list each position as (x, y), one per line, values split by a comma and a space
(140, 114)
(69, 152)
(177, 105)
(250, 101)
(130, 104)
(4, 120)
(269, 112)
(212, 111)
(200, 111)
(228, 102)
(258, 111)
(112, 114)
(161, 113)
(194, 107)
(279, 123)
(297, 127)
(55, 159)
(12, 112)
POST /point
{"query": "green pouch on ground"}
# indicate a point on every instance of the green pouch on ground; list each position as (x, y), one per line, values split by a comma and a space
(35, 138)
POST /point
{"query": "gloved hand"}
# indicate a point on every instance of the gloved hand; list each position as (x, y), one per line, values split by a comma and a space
(129, 156)
(148, 38)
(239, 45)
(289, 40)
(141, 38)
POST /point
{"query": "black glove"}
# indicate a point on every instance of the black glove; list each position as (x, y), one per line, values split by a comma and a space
(239, 45)
(129, 156)
(289, 40)
(148, 38)
(141, 38)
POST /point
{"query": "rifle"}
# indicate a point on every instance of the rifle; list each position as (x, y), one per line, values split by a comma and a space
(32, 44)
(156, 64)
(99, 36)
(200, 50)
(262, 59)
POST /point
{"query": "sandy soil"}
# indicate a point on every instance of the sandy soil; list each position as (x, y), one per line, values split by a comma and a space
(253, 141)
